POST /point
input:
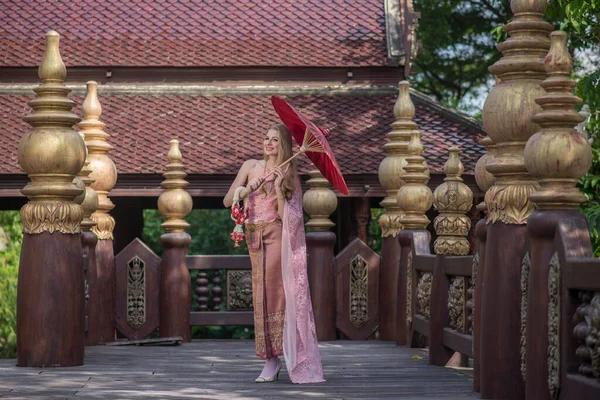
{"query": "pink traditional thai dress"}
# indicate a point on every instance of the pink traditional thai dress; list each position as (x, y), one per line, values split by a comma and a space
(283, 316)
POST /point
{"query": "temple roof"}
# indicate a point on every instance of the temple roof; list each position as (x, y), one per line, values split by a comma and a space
(197, 33)
(217, 133)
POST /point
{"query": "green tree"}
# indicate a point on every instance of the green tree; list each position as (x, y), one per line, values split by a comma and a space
(457, 48)
(11, 237)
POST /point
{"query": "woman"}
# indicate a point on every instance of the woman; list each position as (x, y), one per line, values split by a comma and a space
(283, 316)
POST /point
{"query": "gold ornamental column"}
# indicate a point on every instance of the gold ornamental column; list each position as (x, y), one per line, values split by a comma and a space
(414, 199)
(484, 180)
(390, 176)
(557, 156)
(507, 120)
(96, 333)
(320, 202)
(175, 203)
(50, 297)
(453, 200)
(102, 292)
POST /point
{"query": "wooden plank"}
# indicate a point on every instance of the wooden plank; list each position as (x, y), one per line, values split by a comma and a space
(208, 318)
(458, 265)
(145, 342)
(579, 387)
(420, 324)
(218, 262)
(582, 274)
(424, 263)
(458, 342)
(225, 369)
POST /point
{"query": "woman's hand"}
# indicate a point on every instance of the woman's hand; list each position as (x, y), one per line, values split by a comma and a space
(252, 186)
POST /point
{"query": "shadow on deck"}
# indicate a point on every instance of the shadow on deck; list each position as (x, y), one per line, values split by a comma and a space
(226, 370)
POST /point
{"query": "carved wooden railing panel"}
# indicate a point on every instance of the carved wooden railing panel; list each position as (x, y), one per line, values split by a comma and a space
(419, 287)
(235, 285)
(440, 307)
(573, 314)
(137, 291)
(357, 291)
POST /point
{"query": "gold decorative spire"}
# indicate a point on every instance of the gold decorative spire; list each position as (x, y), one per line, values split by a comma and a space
(104, 172)
(175, 203)
(90, 198)
(508, 109)
(52, 153)
(391, 168)
(484, 179)
(453, 199)
(557, 155)
(319, 202)
(415, 197)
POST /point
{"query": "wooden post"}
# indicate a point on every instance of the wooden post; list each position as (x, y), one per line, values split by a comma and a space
(414, 199)
(558, 156)
(50, 294)
(506, 119)
(175, 203)
(89, 240)
(101, 283)
(453, 199)
(320, 202)
(390, 176)
(484, 180)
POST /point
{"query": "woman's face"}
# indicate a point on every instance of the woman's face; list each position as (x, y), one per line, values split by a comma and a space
(271, 143)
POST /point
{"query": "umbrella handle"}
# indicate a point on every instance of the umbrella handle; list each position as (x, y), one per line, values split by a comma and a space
(286, 162)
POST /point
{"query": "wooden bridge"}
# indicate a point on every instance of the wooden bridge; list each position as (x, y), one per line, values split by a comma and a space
(227, 369)
(516, 295)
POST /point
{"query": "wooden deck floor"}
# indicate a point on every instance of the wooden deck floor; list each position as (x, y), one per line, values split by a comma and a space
(226, 370)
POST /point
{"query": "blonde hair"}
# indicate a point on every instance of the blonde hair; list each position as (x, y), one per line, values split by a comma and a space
(285, 152)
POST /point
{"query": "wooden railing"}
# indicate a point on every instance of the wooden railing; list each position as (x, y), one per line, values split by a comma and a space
(212, 285)
(441, 304)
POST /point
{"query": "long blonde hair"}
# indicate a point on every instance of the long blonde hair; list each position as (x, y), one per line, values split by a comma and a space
(284, 153)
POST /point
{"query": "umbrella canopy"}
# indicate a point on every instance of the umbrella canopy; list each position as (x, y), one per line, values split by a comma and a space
(312, 141)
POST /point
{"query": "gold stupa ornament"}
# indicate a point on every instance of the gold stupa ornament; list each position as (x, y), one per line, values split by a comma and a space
(175, 203)
(52, 153)
(558, 156)
(453, 199)
(508, 109)
(391, 168)
(484, 179)
(90, 199)
(414, 197)
(319, 202)
(104, 171)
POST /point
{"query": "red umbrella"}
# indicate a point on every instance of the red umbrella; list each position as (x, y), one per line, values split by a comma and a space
(312, 141)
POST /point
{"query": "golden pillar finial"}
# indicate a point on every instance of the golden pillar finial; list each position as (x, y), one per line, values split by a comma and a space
(319, 202)
(52, 154)
(175, 203)
(453, 199)
(558, 156)
(414, 197)
(508, 109)
(90, 197)
(391, 168)
(104, 171)
(484, 179)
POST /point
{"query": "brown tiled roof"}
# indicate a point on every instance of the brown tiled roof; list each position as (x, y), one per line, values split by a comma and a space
(217, 133)
(196, 33)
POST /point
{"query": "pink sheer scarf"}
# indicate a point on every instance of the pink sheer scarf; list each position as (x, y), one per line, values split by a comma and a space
(300, 347)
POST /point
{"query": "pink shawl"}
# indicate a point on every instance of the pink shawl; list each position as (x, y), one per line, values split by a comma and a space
(300, 347)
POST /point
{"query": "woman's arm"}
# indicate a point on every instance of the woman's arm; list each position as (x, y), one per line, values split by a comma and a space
(240, 180)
